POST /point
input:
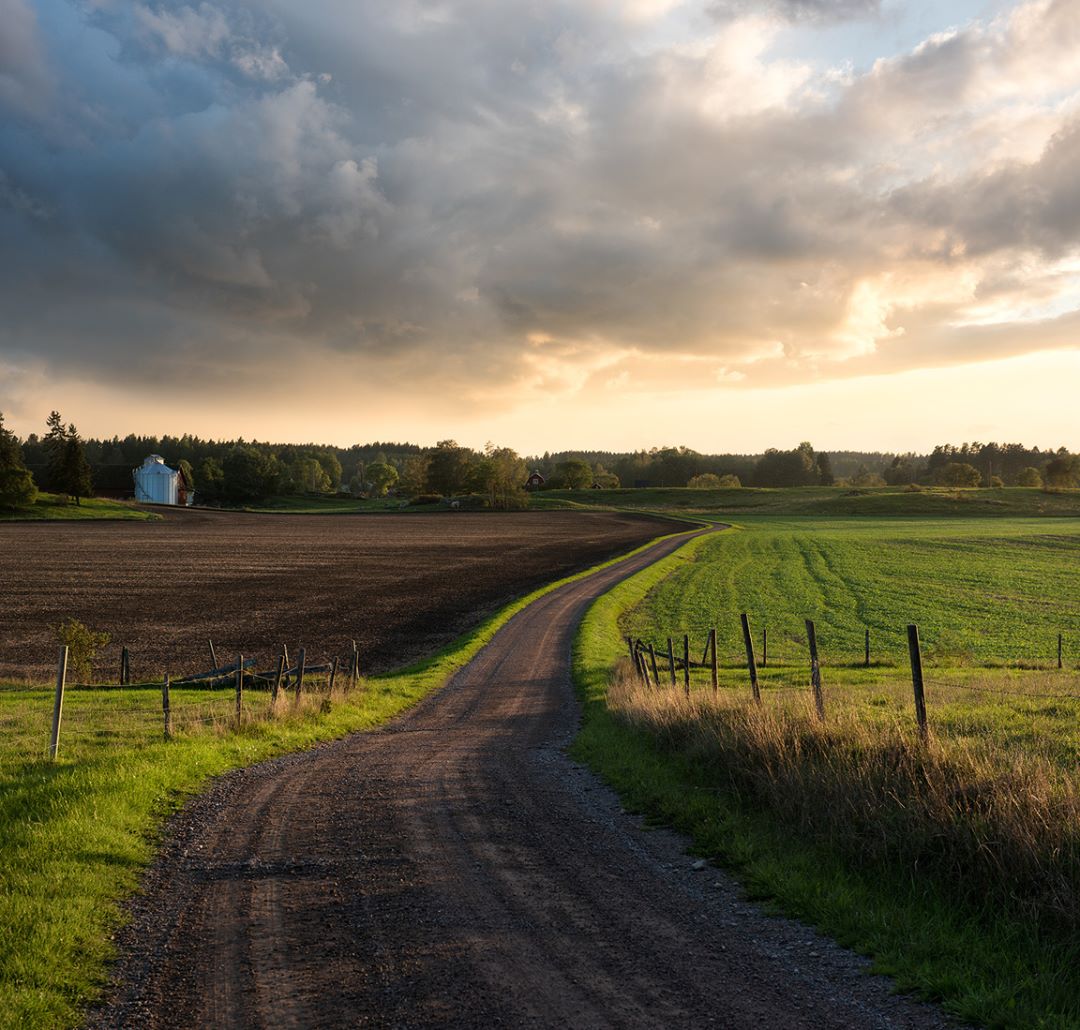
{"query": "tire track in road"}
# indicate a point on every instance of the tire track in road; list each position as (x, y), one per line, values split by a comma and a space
(455, 868)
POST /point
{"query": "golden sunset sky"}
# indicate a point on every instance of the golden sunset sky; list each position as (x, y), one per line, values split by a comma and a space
(591, 224)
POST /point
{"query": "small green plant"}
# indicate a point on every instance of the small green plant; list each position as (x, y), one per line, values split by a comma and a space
(83, 644)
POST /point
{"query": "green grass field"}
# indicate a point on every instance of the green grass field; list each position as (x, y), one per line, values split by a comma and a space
(826, 501)
(955, 864)
(983, 592)
(50, 507)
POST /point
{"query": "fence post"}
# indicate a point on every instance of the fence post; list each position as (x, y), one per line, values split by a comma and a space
(815, 670)
(751, 661)
(299, 672)
(285, 652)
(277, 679)
(165, 707)
(355, 664)
(1059, 650)
(125, 667)
(866, 649)
(58, 704)
(915, 652)
(671, 660)
(213, 654)
(239, 691)
(333, 674)
(712, 641)
(686, 662)
(652, 661)
(642, 668)
(764, 647)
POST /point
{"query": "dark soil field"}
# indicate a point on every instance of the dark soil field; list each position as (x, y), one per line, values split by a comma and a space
(401, 586)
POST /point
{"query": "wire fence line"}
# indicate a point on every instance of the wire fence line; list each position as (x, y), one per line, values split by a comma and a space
(123, 712)
(668, 665)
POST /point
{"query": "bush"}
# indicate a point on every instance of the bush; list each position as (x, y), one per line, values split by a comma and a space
(428, 499)
(959, 473)
(1031, 477)
(996, 482)
(706, 481)
(83, 645)
(913, 488)
(17, 489)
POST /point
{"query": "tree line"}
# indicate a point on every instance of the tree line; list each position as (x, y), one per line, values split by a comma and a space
(233, 472)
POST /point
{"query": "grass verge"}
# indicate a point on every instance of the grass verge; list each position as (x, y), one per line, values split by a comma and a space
(988, 956)
(52, 508)
(75, 834)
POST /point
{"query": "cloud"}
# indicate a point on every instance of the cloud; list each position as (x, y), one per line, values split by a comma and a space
(418, 192)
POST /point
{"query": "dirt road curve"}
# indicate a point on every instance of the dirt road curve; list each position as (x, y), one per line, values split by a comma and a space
(456, 869)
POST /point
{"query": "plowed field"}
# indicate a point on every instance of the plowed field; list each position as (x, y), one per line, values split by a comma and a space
(401, 586)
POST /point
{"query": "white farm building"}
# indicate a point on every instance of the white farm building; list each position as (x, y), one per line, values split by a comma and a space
(156, 483)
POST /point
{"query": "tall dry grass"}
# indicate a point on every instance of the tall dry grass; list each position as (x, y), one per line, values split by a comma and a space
(992, 825)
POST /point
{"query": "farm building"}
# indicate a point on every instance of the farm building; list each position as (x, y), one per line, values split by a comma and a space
(534, 482)
(156, 483)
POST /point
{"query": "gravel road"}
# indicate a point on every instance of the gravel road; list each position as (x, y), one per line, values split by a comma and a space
(457, 869)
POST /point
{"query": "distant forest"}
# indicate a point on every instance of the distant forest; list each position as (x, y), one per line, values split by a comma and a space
(237, 471)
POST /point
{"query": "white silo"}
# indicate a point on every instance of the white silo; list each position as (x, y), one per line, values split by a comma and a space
(155, 482)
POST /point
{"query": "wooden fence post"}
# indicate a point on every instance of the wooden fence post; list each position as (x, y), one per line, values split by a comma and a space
(277, 679)
(355, 673)
(125, 667)
(299, 672)
(712, 641)
(213, 654)
(633, 651)
(239, 691)
(671, 660)
(866, 649)
(285, 652)
(751, 661)
(333, 674)
(686, 662)
(764, 647)
(58, 703)
(915, 653)
(815, 670)
(652, 661)
(165, 710)
(1059, 651)
(639, 663)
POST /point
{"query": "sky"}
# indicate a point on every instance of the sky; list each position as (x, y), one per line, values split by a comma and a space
(730, 224)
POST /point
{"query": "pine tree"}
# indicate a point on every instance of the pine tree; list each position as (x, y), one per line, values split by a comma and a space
(55, 444)
(76, 469)
(17, 489)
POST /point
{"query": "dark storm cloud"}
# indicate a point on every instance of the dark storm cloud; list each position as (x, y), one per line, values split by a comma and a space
(425, 187)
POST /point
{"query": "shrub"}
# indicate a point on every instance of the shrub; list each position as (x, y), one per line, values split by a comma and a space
(1031, 477)
(428, 499)
(996, 482)
(959, 473)
(17, 489)
(83, 645)
(706, 481)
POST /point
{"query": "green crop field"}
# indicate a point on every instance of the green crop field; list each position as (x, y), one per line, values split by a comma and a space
(983, 592)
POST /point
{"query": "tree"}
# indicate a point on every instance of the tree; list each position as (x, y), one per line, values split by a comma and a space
(730, 482)
(996, 482)
(605, 479)
(959, 473)
(249, 475)
(382, 477)
(309, 475)
(212, 478)
(75, 478)
(55, 444)
(825, 473)
(788, 468)
(1030, 477)
(413, 478)
(448, 468)
(706, 481)
(1063, 470)
(17, 489)
(902, 471)
(575, 474)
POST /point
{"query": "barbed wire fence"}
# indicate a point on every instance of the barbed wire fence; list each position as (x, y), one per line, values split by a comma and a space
(669, 665)
(126, 713)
